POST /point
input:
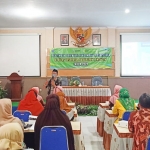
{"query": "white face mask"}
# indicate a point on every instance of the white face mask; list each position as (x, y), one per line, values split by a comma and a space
(54, 75)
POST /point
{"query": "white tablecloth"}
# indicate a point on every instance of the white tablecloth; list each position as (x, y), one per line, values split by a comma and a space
(118, 143)
(87, 91)
(101, 112)
(108, 123)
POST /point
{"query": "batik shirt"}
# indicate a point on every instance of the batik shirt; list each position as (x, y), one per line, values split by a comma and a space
(139, 125)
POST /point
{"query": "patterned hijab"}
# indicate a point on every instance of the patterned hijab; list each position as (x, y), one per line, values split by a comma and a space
(125, 99)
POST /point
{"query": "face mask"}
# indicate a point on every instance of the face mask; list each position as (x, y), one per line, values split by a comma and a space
(54, 75)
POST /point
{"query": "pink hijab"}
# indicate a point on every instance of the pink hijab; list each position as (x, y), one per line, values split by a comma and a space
(115, 96)
(57, 89)
(38, 91)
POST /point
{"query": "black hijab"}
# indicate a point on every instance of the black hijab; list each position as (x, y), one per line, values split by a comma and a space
(53, 116)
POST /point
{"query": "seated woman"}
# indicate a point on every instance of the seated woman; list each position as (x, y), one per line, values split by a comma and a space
(39, 97)
(63, 103)
(6, 113)
(11, 137)
(139, 123)
(31, 103)
(115, 96)
(124, 103)
(53, 116)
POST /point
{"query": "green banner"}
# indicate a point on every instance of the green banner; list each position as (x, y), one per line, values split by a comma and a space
(81, 58)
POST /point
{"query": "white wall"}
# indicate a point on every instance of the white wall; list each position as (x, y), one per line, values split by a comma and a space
(50, 37)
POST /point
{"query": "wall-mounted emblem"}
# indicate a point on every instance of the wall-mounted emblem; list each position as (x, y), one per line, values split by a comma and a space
(80, 36)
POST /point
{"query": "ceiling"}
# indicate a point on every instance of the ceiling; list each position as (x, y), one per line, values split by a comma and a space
(66, 13)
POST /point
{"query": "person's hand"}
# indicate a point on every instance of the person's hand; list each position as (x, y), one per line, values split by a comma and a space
(45, 84)
(53, 83)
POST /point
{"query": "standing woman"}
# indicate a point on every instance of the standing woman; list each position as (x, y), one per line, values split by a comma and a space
(53, 116)
(31, 103)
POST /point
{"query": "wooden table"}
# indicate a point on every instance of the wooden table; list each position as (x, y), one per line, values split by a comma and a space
(100, 117)
(76, 127)
(122, 138)
(87, 95)
(108, 128)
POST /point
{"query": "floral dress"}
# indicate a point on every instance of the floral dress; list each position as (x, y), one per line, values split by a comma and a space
(139, 125)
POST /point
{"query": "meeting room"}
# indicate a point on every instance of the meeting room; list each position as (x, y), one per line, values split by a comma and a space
(74, 75)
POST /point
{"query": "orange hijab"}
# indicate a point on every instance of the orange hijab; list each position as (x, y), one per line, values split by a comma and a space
(31, 103)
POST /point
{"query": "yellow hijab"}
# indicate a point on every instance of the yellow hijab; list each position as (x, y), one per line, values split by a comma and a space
(11, 137)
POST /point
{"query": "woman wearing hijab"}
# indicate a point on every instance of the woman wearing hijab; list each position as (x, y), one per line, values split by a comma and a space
(11, 137)
(6, 113)
(115, 96)
(39, 97)
(139, 123)
(53, 116)
(31, 103)
(124, 103)
(63, 103)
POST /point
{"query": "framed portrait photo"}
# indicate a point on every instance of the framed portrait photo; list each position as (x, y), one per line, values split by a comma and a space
(64, 39)
(96, 39)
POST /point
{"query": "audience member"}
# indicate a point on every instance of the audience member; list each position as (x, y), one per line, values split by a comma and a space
(39, 97)
(31, 103)
(63, 103)
(139, 123)
(124, 103)
(11, 137)
(115, 96)
(53, 116)
(6, 113)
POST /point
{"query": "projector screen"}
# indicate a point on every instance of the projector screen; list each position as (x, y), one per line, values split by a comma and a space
(135, 54)
(20, 54)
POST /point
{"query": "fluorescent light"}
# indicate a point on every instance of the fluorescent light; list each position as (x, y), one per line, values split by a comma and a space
(127, 11)
(29, 12)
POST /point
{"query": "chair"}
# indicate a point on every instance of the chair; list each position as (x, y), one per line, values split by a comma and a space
(76, 78)
(64, 81)
(148, 143)
(97, 80)
(14, 108)
(53, 138)
(126, 115)
(22, 115)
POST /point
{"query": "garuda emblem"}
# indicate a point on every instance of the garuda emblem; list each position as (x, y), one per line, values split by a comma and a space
(80, 36)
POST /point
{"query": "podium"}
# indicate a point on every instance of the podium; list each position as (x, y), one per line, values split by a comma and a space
(16, 86)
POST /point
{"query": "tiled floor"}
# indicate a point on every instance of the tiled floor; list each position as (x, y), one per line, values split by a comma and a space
(92, 140)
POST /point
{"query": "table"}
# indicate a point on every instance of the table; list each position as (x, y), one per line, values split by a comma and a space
(76, 127)
(72, 105)
(87, 95)
(108, 128)
(100, 117)
(122, 138)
